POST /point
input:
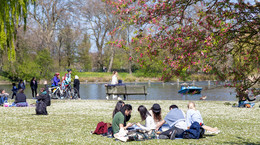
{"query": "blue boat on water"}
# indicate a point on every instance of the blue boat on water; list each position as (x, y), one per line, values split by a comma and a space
(190, 90)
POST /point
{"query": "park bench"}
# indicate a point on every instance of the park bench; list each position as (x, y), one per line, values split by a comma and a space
(126, 90)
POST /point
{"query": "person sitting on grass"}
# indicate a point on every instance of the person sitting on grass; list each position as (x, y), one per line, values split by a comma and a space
(155, 111)
(150, 125)
(244, 100)
(20, 99)
(118, 107)
(4, 96)
(193, 115)
(119, 123)
(176, 120)
(44, 96)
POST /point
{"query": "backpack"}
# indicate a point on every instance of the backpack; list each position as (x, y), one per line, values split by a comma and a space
(195, 131)
(41, 108)
(101, 128)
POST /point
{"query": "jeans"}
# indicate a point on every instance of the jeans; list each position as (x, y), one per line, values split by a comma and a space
(179, 133)
(164, 127)
(134, 127)
(2, 100)
(34, 92)
(243, 103)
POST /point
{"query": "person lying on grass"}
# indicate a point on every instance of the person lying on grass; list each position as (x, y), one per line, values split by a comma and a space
(193, 115)
(119, 123)
(176, 120)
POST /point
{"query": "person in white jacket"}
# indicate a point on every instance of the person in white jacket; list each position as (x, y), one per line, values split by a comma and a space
(149, 121)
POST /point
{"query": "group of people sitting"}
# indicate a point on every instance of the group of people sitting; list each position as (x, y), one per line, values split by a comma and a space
(20, 99)
(172, 126)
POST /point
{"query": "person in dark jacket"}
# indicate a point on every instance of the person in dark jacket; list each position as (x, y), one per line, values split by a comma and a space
(44, 95)
(76, 84)
(34, 86)
(20, 99)
(21, 85)
(14, 90)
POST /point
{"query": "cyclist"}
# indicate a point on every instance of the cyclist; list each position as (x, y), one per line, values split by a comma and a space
(66, 80)
(68, 77)
(56, 80)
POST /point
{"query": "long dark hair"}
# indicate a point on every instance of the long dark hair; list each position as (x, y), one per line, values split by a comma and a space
(157, 116)
(143, 112)
(32, 79)
(126, 107)
(118, 107)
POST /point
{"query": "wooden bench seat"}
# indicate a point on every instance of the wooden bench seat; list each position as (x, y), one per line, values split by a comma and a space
(126, 90)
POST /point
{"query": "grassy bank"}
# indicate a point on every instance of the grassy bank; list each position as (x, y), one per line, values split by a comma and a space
(70, 122)
(140, 77)
(126, 77)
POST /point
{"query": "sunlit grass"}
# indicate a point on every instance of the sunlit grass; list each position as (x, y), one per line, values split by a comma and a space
(70, 122)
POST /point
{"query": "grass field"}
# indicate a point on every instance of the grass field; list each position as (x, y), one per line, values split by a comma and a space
(70, 122)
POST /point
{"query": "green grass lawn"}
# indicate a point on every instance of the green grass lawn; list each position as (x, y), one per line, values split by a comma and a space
(70, 122)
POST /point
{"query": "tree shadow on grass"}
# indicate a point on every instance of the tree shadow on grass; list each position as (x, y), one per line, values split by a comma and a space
(242, 140)
(208, 135)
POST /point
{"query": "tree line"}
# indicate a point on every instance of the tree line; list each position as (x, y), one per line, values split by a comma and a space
(53, 35)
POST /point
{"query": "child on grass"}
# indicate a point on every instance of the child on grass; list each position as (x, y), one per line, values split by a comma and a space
(14, 90)
(3, 96)
(194, 115)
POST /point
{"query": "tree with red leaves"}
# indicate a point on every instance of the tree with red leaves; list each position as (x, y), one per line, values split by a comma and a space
(216, 36)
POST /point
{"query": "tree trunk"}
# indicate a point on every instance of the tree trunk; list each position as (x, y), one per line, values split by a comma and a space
(111, 59)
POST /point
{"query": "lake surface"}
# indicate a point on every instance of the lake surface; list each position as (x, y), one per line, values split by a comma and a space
(156, 91)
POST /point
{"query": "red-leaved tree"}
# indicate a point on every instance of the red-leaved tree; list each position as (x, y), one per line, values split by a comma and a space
(218, 36)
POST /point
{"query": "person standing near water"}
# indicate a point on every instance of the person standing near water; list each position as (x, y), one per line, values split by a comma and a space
(76, 84)
(34, 87)
(14, 90)
(21, 85)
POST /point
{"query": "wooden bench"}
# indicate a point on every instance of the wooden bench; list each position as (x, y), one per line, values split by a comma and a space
(126, 90)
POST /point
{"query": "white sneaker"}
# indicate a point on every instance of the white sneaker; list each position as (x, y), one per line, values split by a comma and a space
(114, 96)
(119, 98)
(213, 132)
(107, 97)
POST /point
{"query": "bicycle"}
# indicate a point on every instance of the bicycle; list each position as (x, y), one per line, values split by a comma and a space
(70, 93)
(56, 92)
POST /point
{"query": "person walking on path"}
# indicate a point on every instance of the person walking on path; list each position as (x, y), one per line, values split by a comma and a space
(76, 84)
(21, 85)
(34, 87)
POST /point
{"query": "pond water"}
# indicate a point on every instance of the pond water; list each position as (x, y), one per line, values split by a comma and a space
(156, 91)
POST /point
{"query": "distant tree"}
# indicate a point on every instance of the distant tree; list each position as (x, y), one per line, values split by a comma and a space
(83, 52)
